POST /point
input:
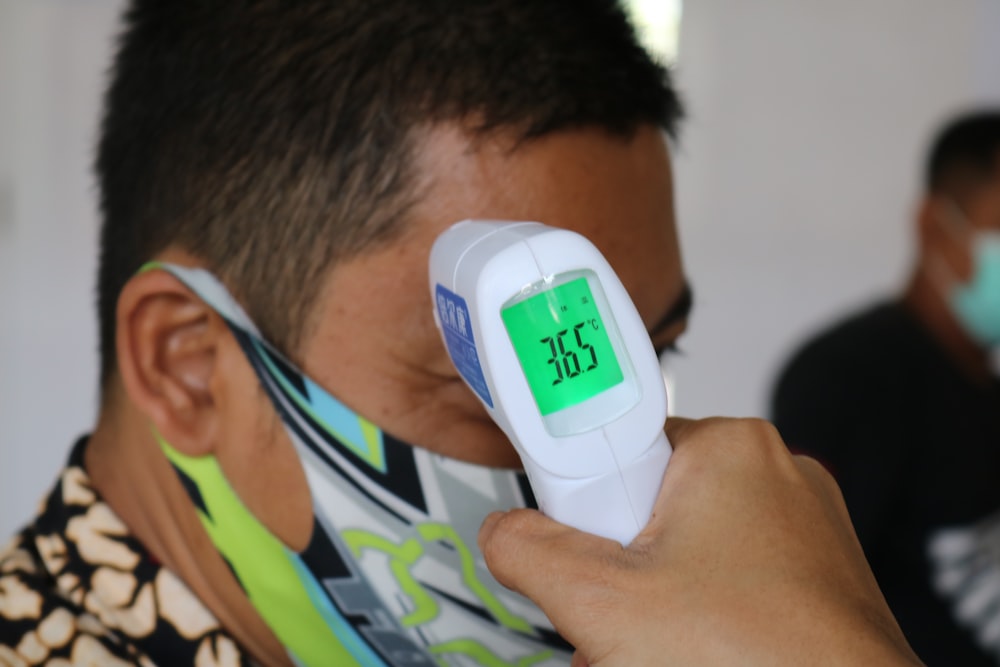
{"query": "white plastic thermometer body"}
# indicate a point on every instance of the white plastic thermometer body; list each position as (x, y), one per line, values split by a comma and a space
(542, 330)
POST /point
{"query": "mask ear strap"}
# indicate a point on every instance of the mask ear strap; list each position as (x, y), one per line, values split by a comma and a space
(211, 291)
(956, 224)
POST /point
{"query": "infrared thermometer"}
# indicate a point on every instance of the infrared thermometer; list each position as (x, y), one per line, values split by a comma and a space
(540, 327)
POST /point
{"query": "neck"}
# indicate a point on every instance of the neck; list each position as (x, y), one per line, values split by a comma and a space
(924, 298)
(133, 476)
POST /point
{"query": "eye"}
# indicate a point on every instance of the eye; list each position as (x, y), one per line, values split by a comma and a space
(667, 350)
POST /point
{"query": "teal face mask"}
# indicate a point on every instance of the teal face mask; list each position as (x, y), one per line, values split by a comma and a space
(392, 576)
(976, 304)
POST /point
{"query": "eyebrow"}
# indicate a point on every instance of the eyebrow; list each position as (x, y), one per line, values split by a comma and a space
(679, 311)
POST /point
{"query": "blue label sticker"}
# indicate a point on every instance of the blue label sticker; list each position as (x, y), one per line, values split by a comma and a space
(454, 317)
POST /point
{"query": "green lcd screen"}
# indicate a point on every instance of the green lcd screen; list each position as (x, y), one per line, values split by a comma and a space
(563, 346)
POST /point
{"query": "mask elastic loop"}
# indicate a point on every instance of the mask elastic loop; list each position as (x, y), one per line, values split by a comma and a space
(211, 291)
(958, 226)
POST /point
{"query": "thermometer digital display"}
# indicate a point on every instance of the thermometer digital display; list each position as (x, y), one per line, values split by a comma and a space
(541, 329)
(562, 343)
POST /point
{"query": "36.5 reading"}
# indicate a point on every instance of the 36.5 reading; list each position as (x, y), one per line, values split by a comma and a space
(567, 362)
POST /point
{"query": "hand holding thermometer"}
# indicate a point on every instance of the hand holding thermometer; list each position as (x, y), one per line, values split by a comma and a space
(539, 326)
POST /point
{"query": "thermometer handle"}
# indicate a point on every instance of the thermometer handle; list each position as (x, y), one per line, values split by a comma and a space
(615, 506)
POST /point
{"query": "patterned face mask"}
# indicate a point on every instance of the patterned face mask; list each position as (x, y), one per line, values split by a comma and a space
(392, 575)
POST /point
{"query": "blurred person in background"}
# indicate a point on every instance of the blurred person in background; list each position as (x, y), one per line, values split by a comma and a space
(902, 403)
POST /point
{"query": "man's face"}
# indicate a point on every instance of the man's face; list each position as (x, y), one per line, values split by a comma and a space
(957, 220)
(374, 344)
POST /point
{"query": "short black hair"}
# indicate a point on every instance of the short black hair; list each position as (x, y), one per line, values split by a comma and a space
(270, 138)
(964, 153)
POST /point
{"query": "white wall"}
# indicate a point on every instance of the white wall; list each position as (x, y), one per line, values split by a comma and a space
(52, 55)
(799, 167)
(795, 180)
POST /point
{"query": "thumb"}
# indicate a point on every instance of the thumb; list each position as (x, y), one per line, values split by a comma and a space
(550, 563)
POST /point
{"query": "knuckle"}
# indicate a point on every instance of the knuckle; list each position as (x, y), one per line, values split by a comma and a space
(747, 435)
(761, 429)
(817, 472)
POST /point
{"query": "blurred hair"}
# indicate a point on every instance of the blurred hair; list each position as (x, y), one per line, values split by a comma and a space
(964, 153)
(270, 138)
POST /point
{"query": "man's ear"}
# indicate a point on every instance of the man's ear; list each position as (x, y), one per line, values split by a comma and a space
(928, 222)
(938, 231)
(167, 343)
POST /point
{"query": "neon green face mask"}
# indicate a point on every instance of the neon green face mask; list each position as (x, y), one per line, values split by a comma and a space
(392, 575)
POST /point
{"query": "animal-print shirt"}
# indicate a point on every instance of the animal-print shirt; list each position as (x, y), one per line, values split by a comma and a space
(76, 589)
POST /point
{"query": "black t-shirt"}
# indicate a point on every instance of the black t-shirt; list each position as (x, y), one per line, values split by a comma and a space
(915, 447)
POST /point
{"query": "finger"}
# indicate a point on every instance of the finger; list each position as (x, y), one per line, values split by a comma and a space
(817, 473)
(731, 443)
(541, 558)
(675, 429)
(829, 493)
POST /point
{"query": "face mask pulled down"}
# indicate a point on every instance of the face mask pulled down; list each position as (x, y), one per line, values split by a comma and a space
(392, 575)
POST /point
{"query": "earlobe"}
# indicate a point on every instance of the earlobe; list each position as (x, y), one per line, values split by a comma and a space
(167, 344)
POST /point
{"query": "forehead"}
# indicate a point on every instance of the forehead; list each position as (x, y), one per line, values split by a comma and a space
(615, 191)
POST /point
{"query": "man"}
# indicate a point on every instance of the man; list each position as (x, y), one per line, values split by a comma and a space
(272, 176)
(902, 402)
